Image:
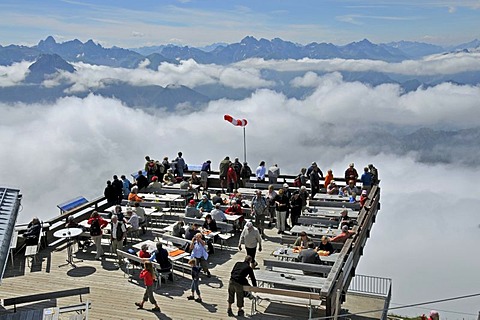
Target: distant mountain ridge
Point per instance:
(248, 47)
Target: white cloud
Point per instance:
(13, 74)
(432, 65)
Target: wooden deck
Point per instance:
(113, 296)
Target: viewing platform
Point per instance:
(112, 295)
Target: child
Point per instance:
(148, 276)
(195, 278)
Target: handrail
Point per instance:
(378, 286)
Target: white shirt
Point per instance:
(114, 229)
(218, 215)
(134, 221)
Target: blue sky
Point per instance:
(202, 22)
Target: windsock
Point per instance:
(235, 122)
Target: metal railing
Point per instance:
(371, 285)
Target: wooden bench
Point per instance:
(225, 229)
(311, 268)
(44, 296)
(311, 300)
(290, 239)
(130, 258)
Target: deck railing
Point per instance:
(371, 285)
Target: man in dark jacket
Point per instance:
(110, 194)
(142, 181)
(118, 186)
(238, 279)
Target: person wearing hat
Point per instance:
(191, 210)
(155, 184)
(205, 205)
(351, 173)
(169, 178)
(250, 236)
(342, 237)
(363, 198)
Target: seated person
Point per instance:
(155, 184)
(363, 198)
(235, 209)
(342, 237)
(71, 223)
(218, 214)
(194, 179)
(309, 255)
(143, 253)
(217, 198)
(325, 245)
(141, 216)
(211, 225)
(169, 178)
(161, 257)
(205, 205)
(332, 188)
(33, 232)
(178, 229)
(134, 219)
(302, 241)
(191, 211)
(352, 188)
(118, 212)
(133, 196)
(344, 219)
(192, 231)
(184, 184)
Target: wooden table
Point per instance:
(332, 197)
(316, 232)
(288, 279)
(288, 254)
(152, 246)
(329, 212)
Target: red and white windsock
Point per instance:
(235, 122)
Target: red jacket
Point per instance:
(147, 278)
(102, 222)
(231, 175)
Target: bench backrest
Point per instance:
(135, 258)
(45, 296)
(284, 292)
(72, 204)
(175, 240)
(309, 267)
(188, 220)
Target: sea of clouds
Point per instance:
(428, 226)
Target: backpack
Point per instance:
(95, 229)
(297, 182)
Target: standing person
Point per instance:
(304, 197)
(314, 181)
(119, 232)
(33, 232)
(223, 168)
(271, 195)
(259, 210)
(288, 193)
(351, 173)
(151, 169)
(180, 165)
(374, 173)
(245, 174)
(261, 171)
(296, 207)
(238, 279)
(141, 180)
(126, 186)
(281, 205)
(206, 169)
(237, 166)
(231, 178)
(195, 281)
(118, 186)
(148, 276)
(273, 173)
(197, 247)
(367, 180)
(300, 179)
(166, 163)
(160, 170)
(251, 237)
(96, 225)
(110, 194)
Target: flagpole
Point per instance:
(244, 146)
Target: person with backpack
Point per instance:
(96, 225)
(245, 174)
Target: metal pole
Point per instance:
(337, 305)
(244, 146)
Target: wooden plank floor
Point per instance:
(113, 296)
